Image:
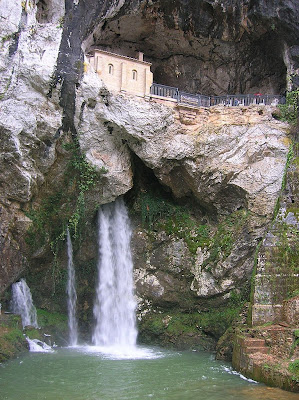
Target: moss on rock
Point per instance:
(12, 340)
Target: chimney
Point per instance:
(140, 56)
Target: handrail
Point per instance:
(164, 91)
(199, 100)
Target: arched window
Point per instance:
(110, 69)
(134, 75)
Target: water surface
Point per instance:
(150, 373)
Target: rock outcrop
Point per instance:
(30, 122)
(224, 161)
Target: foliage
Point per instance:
(170, 325)
(294, 368)
(12, 341)
(158, 213)
(84, 178)
(55, 212)
(46, 319)
(223, 240)
(46, 221)
(65, 208)
(33, 334)
(14, 335)
(290, 157)
(289, 111)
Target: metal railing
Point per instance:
(164, 91)
(199, 100)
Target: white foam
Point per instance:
(122, 353)
(37, 346)
(232, 372)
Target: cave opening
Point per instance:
(198, 61)
(147, 187)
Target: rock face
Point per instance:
(223, 168)
(29, 122)
(223, 161)
(210, 46)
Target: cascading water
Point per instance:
(114, 308)
(71, 295)
(22, 303)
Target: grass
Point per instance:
(46, 319)
(12, 342)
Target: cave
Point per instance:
(208, 52)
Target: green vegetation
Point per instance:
(294, 369)
(223, 241)
(282, 259)
(53, 319)
(14, 335)
(286, 256)
(290, 157)
(174, 326)
(83, 177)
(55, 212)
(33, 333)
(289, 111)
(12, 342)
(62, 209)
(296, 341)
(159, 214)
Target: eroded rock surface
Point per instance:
(224, 160)
(223, 167)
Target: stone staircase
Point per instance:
(254, 345)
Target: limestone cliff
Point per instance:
(226, 165)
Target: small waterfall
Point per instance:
(22, 303)
(37, 346)
(114, 308)
(71, 295)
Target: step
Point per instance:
(253, 350)
(254, 342)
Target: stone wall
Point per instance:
(265, 353)
(277, 276)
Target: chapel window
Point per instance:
(110, 69)
(134, 75)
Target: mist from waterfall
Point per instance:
(114, 308)
(71, 295)
(22, 304)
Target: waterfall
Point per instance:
(37, 346)
(22, 303)
(71, 295)
(114, 308)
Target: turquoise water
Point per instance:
(151, 373)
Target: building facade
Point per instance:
(121, 73)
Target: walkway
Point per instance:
(198, 100)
